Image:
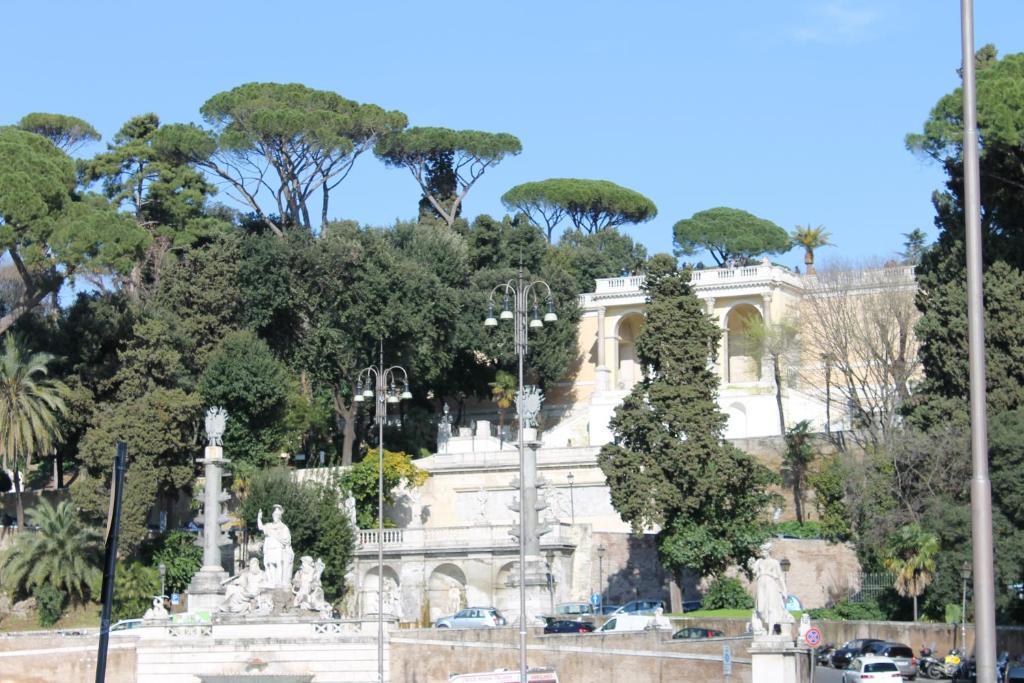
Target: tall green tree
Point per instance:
(283, 144)
(590, 205)
(48, 231)
(31, 405)
(63, 552)
(67, 133)
(911, 557)
(446, 163)
(606, 253)
(163, 194)
(669, 466)
(245, 378)
(797, 459)
(729, 234)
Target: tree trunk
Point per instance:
(19, 509)
(915, 608)
(348, 439)
(798, 496)
(809, 260)
(778, 395)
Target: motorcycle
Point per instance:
(824, 654)
(952, 662)
(929, 666)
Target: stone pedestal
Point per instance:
(774, 660)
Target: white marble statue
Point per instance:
(307, 589)
(350, 511)
(157, 611)
(481, 505)
(216, 419)
(770, 614)
(278, 555)
(245, 592)
(454, 598)
(350, 603)
(392, 598)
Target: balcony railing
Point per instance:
(709, 277)
(421, 538)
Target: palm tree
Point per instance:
(30, 405)
(810, 239)
(911, 556)
(63, 553)
(503, 391)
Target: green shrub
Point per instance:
(179, 554)
(727, 593)
(794, 529)
(850, 611)
(135, 585)
(49, 604)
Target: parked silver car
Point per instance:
(472, 617)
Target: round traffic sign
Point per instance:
(813, 637)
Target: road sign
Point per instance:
(813, 637)
(595, 599)
(175, 599)
(726, 661)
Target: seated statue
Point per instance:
(244, 595)
(157, 611)
(307, 589)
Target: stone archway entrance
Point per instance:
(446, 591)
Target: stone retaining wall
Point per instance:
(430, 655)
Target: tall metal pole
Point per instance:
(981, 488)
(110, 558)
(520, 343)
(381, 411)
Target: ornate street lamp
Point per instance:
(965, 575)
(388, 385)
(518, 299)
(601, 550)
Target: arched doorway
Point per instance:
(628, 370)
(446, 591)
(741, 361)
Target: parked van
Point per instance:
(627, 622)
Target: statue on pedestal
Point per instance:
(278, 555)
(307, 589)
(770, 614)
(350, 603)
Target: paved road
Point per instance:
(826, 675)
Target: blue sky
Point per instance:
(794, 110)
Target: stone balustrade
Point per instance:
(420, 539)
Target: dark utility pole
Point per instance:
(110, 558)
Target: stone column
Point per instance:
(766, 307)
(603, 373)
(537, 596)
(206, 590)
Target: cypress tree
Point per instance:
(670, 467)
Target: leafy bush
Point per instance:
(726, 592)
(315, 516)
(846, 610)
(49, 604)
(361, 482)
(135, 585)
(794, 529)
(180, 554)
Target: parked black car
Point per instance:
(696, 632)
(568, 626)
(842, 655)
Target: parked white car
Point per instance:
(869, 668)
